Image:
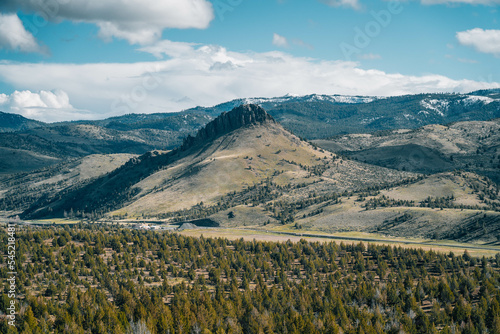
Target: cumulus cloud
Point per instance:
(137, 21)
(342, 3)
(485, 41)
(280, 41)
(47, 106)
(13, 35)
(206, 75)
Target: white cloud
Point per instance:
(343, 3)
(137, 21)
(13, 35)
(203, 75)
(4, 98)
(485, 41)
(280, 41)
(169, 48)
(47, 106)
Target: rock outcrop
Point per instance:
(244, 115)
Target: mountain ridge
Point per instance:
(13, 122)
(114, 187)
(310, 116)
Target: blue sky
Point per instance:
(64, 60)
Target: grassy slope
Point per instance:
(351, 215)
(232, 162)
(472, 146)
(50, 180)
(18, 161)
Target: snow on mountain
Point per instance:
(438, 106)
(313, 98)
(472, 99)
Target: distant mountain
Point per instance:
(320, 119)
(311, 117)
(182, 122)
(319, 116)
(50, 144)
(14, 122)
(21, 190)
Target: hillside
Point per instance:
(18, 192)
(454, 206)
(48, 145)
(19, 161)
(244, 169)
(13, 122)
(472, 146)
(233, 153)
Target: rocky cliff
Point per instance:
(244, 115)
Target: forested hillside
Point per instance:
(88, 279)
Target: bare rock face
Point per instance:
(242, 116)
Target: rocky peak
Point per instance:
(239, 117)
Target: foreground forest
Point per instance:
(109, 279)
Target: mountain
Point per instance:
(311, 116)
(19, 161)
(48, 145)
(234, 152)
(472, 146)
(14, 122)
(320, 119)
(319, 116)
(244, 169)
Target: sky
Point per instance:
(92, 59)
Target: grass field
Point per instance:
(57, 221)
(442, 246)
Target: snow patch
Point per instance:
(438, 106)
(369, 120)
(473, 99)
(312, 98)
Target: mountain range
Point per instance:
(32, 144)
(244, 168)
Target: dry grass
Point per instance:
(439, 185)
(349, 238)
(230, 163)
